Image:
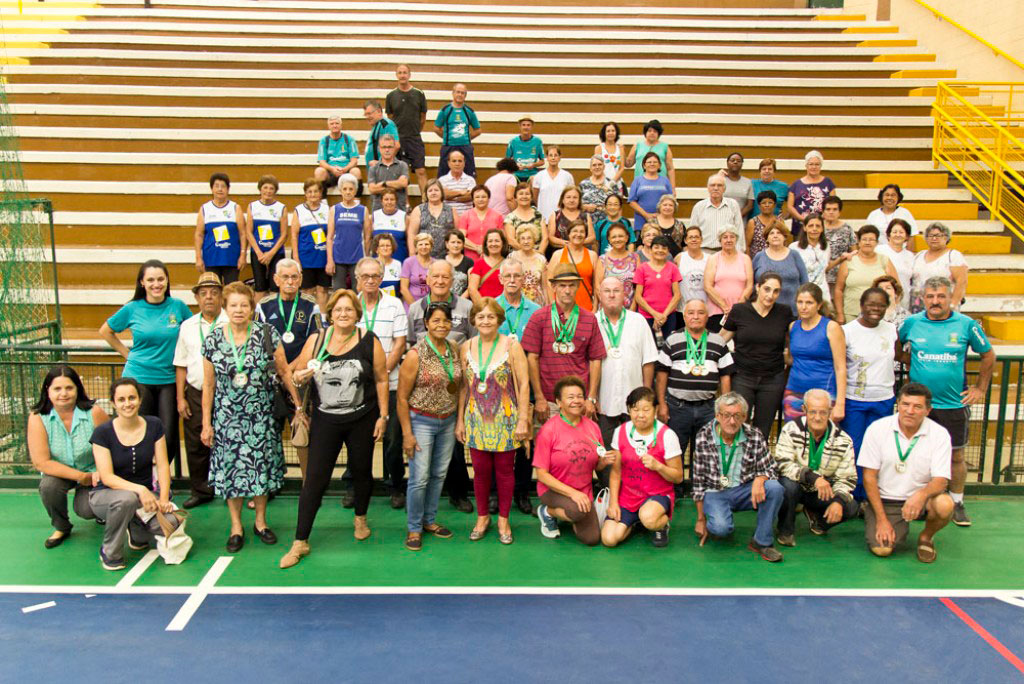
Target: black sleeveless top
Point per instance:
(345, 386)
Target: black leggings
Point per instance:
(325, 441)
(162, 401)
(764, 395)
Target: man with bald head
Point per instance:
(694, 366)
(457, 184)
(457, 125)
(631, 356)
(715, 213)
(816, 468)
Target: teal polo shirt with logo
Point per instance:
(938, 354)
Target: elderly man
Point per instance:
(526, 149)
(407, 107)
(295, 317)
(518, 310)
(734, 471)
(631, 356)
(715, 213)
(937, 340)
(380, 126)
(389, 172)
(384, 316)
(816, 468)
(336, 154)
(906, 462)
(456, 124)
(458, 185)
(562, 339)
(439, 280)
(188, 379)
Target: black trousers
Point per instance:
(607, 424)
(457, 482)
(394, 463)
(325, 441)
(763, 393)
(794, 494)
(162, 401)
(196, 453)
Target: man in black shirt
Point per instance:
(407, 107)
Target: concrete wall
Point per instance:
(1001, 22)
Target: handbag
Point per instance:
(281, 409)
(601, 502)
(174, 545)
(300, 430)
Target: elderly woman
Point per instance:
(535, 266)
(938, 260)
(842, 242)
(581, 259)
(642, 483)
(902, 257)
(383, 249)
(818, 351)
(455, 244)
(347, 225)
(569, 451)
(647, 235)
(485, 278)
(738, 188)
(266, 218)
(647, 189)
(476, 221)
(651, 143)
(570, 210)
(612, 154)
(667, 224)
(433, 217)
(895, 312)
(757, 227)
(428, 396)
(786, 263)
(857, 274)
(246, 458)
(59, 428)
(494, 413)
(523, 213)
(595, 190)
(809, 192)
(728, 279)
(414, 269)
(766, 181)
(890, 198)
(309, 240)
(619, 261)
(220, 238)
(350, 408)
(126, 450)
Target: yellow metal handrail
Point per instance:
(980, 145)
(972, 34)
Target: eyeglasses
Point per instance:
(289, 277)
(370, 276)
(735, 417)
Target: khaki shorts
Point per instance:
(894, 512)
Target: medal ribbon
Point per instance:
(727, 460)
(654, 435)
(697, 352)
(481, 366)
(596, 443)
(565, 333)
(291, 319)
(449, 366)
(324, 351)
(899, 451)
(613, 336)
(814, 457)
(514, 324)
(373, 321)
(202, 335)
(239, 358)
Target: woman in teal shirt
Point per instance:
(154, 318)
(59, 429)
(651, 142)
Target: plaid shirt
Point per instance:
(837, 462)
(707, 461)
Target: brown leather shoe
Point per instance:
(362, 530)
(295, 554)
(768, 553)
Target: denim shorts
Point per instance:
(630, 518)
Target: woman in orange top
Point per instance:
(582, 259)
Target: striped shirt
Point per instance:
(685, 386)
(538, 338)
(837, 462)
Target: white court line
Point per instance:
(136, 572)
(38, 606)
(197, 597)
(1012, 600)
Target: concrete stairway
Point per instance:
(123, 112)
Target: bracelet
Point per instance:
(384, 417)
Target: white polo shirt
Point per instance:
(188, 352)
(622, 375)
(390, 322)
(930, 457)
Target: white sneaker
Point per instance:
(548, 525)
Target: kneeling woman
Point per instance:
(643, 480)
(568, 452)
(125, 450)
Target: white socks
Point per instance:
(957, 498)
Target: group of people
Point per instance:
(528, 319)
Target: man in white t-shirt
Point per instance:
(549, 183)
(906, 462)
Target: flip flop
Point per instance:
(925, 551)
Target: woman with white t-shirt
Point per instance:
(692, 263)
(813, 249)
(902, 257)
(889, 199)
(937, 260)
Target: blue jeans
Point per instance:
(860, 414)
(719, 505)
(427, 468)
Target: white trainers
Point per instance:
(548, 525)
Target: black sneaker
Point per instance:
(814, 522)
(108, 564)
(960, 516)
(348, 499)
(134, 545)
(461, 505)
(524, 505)
(398, 500)
(659, 538)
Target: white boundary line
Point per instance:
(1012, 600)
(196, 598)
(38, 606)
(140, 567)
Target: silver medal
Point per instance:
(687, 367)
(513, 337)
(556, 347)
(288, 337)
(901, 466)
(481, 387)
(700, 370)
(313, 365)
(615, 352)
(601, 451)
(240, 380)
(570, 348)
(724, 482)
(641, 450)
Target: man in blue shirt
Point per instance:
(937, 340)
(518, 310)
(380, 126)
(337, 154)
(526, 149)
(457, 125)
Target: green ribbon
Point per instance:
(727, 459)
(449, 366)
(899, 451)
(565, 333)
(697, 351)
(291, 319)
(481, 367)
(239, 358)
(814, 457)
(614, 336)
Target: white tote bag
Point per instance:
(173, 545)
(601, 505)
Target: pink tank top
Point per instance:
(730, 281)
(638, 482)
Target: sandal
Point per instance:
(926, 551)
(506, 538)
(413, 541)
(438, 531)
(477, 535)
